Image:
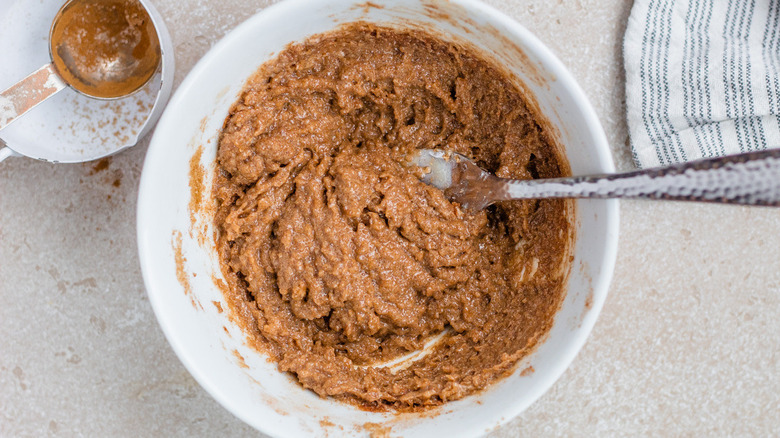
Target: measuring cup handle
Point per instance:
(29, 92)
(7, 152)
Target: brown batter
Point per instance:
(338, 258)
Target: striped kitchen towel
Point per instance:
(702, 78)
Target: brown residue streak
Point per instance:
(327, 427)
(201, 205)
(89, 282)
(527, 371)
(218, 306)
(101, 165)
(109, 176)
(240, 359)
(220, 284)
(197, 180)
(181, 273)
(367, 6)
(432, 10)
(586, 308)
(220, 95)
(590, 296)
(376, 430)
(510, 50)
(462, 21)
(63, 286)
(589, 300)
(237, 313)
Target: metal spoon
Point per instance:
(750, 179)
(104, 49)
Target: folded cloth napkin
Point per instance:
(702, 78)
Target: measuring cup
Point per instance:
(71, 127)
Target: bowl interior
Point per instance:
(179, 261)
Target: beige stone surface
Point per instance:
(687, 344)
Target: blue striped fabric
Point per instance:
(702, 78)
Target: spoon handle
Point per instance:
(29, 92)
(751, 178)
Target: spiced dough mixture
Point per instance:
(338, 258)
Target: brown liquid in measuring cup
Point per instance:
(105, 48)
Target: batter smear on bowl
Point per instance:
(338, 259)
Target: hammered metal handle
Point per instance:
(752, 178)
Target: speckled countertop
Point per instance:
(688, 342)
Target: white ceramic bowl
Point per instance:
(208, 343)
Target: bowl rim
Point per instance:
(601, 151)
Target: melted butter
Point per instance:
(105, 48)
